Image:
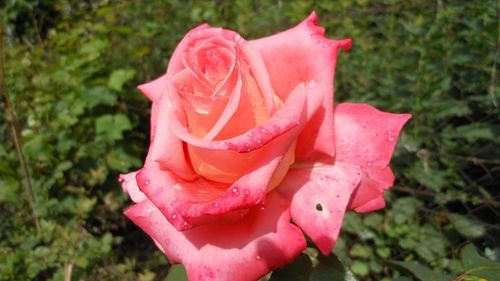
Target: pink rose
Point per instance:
(244, 140)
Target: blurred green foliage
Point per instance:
(71, 68)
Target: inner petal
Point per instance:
(202, 109)
(211, 61)
(215, 64)
(251, 110)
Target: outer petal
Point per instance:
(165, 147)
(247, 250)
(302, 54)
(154, 89)
(370, 194)
(129, 185)
(319, 196)
(367, 137)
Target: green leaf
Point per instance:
(9, 189)
(476, 265)
(361, 251)
(331, 268)
(112, 126)
(177, 272)
(467, 227)
(419, 271)
(98, 95)
(121, 161)
(360, 268)
(299, 270)
(476, 132)
(119, 77)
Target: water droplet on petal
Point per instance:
(174, 216)
(390, 136)
(235, 191)
(258, 257)
(216, 205)
(369, 164)
(146, 182)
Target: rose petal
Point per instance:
(154, 89)
(300, 54)
(129, 185)
(367, 137)
(191, 203)
(222, 160)
(261, 75)
(165, 147)
(319, 196)
(251, 111)
(175, 198)
(265, 240)
(370, 194)
(286, 118)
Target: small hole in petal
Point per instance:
(319, 207)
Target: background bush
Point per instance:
(71, 68)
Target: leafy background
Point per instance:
(71, 67)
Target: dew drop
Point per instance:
(146, 182)
(150, 210)
(258, 257)
(216, 205)
(369, 164)
(390, 136)
(235, 191)
(174, 216)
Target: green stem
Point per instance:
(15, 135)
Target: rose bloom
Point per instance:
(248, 153)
